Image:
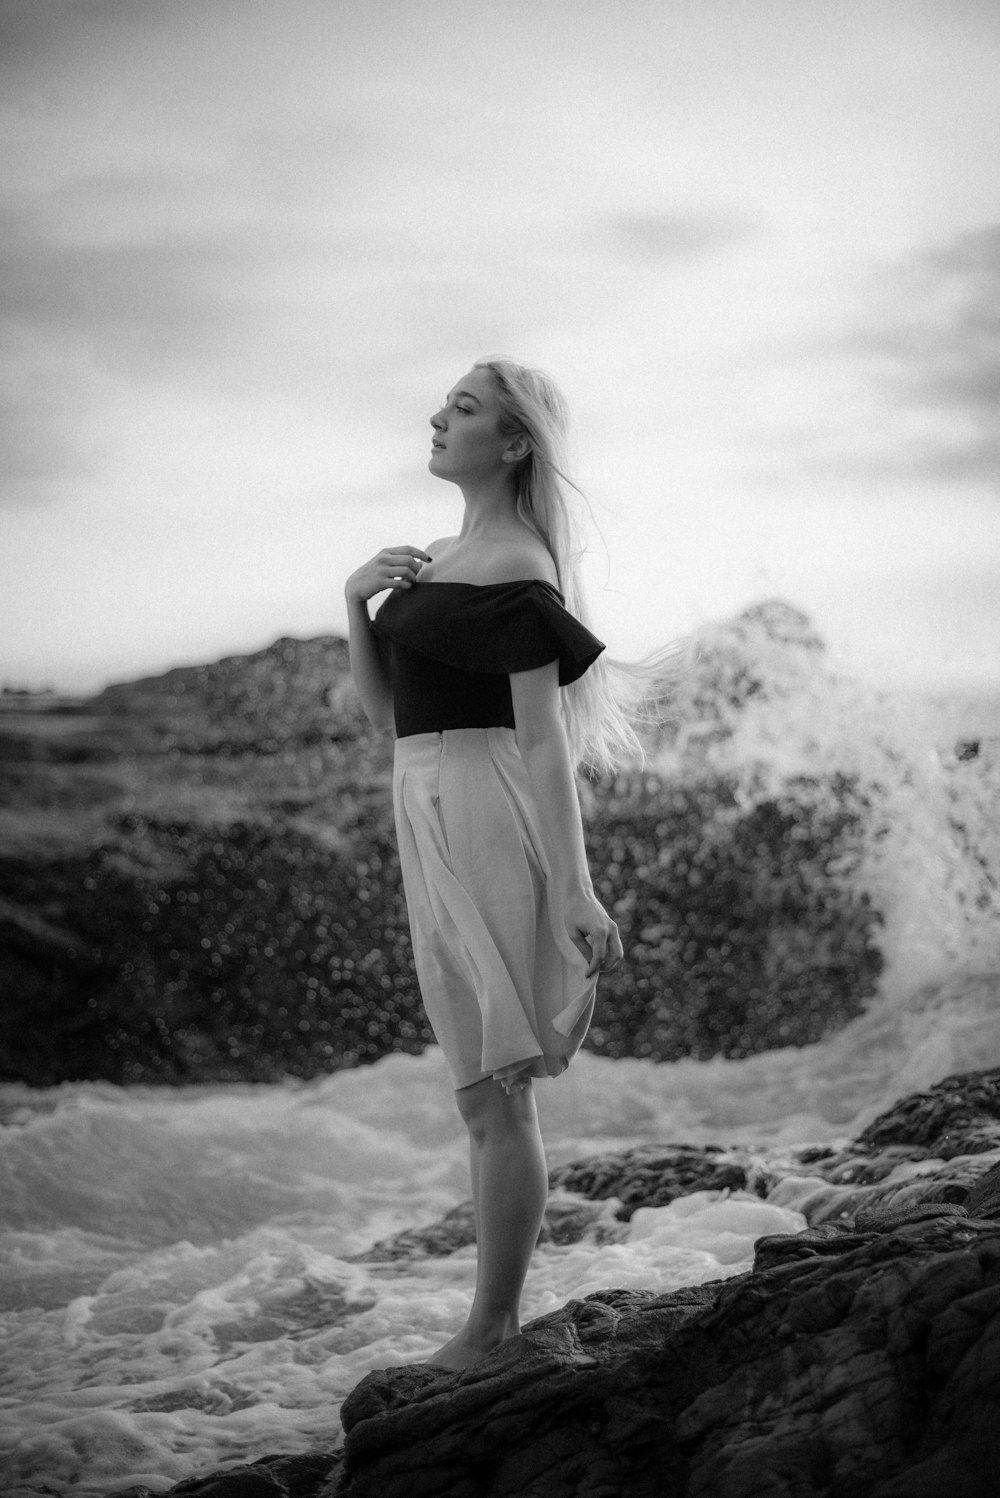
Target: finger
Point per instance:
(401, 571)
(582, 946)
(405, 554)
(605, 953)
(598, 947)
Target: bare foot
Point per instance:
(467, 1347)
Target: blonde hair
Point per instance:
(602, 707)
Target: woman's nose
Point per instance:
(437, 420)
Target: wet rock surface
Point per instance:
(937, 1146)
(271, 1477)
(857, 1359)
(958, 1116)
(849, 1364)
(654, 1175)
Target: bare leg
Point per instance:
(509, 1188)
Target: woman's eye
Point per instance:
(465, 410)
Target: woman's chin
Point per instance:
(434, 467)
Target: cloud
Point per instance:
(678, 236)
(946, 347)
(934, 346)
(117, 294)
(44, 399)
(108, 287)
(907, 389)
(26, 26)
(78, 316)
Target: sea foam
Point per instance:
(178, 1276)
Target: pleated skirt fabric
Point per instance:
(504, 987)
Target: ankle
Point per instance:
(492, 1326)
(470, 1346)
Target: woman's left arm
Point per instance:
(541, 739)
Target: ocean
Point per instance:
(180, 1288)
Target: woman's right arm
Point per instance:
(395, 567)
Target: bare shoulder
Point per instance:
(510, 560)
(518, 560)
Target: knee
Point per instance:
(479, 1130)
(477, 1118)
(490, 1113)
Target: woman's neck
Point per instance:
(490, 511)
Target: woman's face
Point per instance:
(466, 443)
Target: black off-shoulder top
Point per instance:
(452, 646)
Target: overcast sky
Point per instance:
(248, 244)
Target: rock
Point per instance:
(959, 1116)
(984, 1198)
(865, 1367)
(931, 1147)
(456, 1229)
(271, 1477)
(904, 1188)
(567, 1220)
(653, 1175)
(149, 840)
(857, 1359)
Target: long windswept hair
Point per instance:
(602, 707)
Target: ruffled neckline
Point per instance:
(519, 582)
(497, 628)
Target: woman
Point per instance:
(467, 659)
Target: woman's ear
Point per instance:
(517, 448)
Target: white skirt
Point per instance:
(504, 987)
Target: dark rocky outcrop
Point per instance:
(653, 1175)
(850, 1364)
(202, 885)
(934, 1146)
(984, 1198)
(959, 1116)
(271, 1477)
(857, 1359)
